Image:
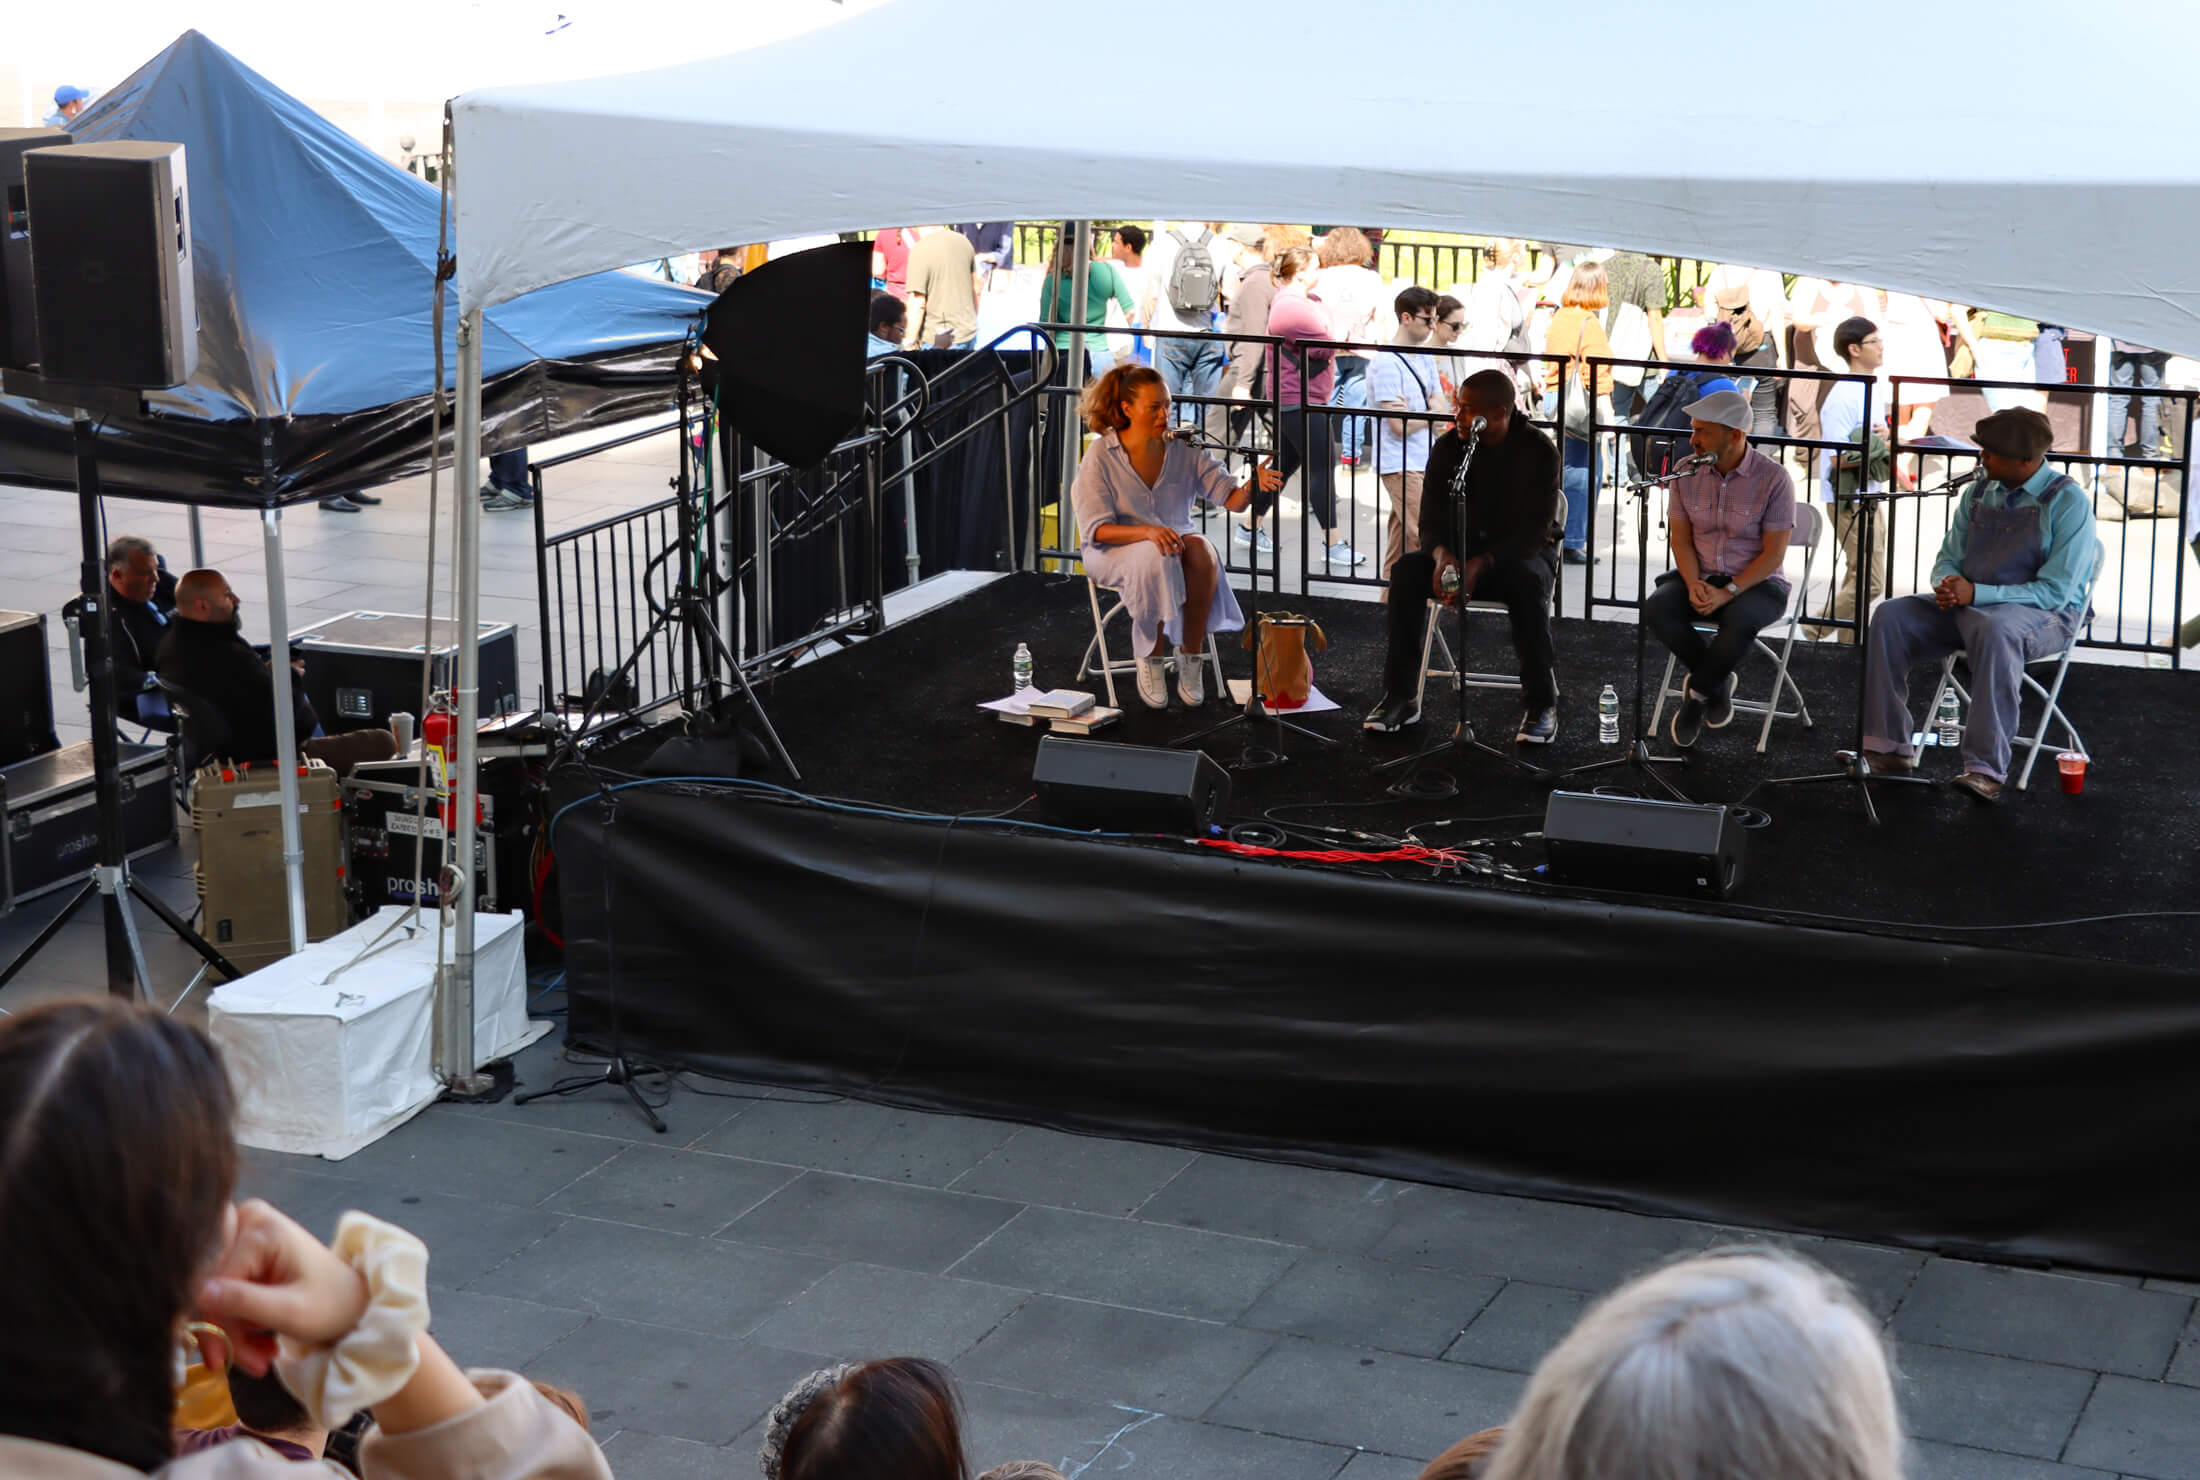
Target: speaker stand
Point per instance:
(109, 877)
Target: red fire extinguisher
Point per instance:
(439, 737)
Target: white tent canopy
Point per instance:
(1985, 155)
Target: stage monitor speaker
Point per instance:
(1128, 788)
(785, 341)
(18, 317)
(111, 264)
(1656, 847)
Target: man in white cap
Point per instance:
(1731, 518)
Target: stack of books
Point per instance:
(1066, 711)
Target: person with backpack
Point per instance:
(1186, 260)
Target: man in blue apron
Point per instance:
(2010, 585)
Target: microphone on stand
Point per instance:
(1680, 469)
(1957, 485)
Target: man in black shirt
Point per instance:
(1500, 535)
(141, 599)
(205, 654)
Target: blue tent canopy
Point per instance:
(315, 269)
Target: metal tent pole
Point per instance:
(286, 725)
(1073, 422)
(455, 1031)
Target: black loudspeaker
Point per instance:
(18, 317)
(1631, 843)
(1128, 788)
(26, 691)
(785, 344)
(111, 264)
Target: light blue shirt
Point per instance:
(875, 346)
(1109, 490)
(2072, 551)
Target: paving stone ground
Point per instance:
(1126, 1309)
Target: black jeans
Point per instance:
(1710, 659)
(1308, 443)
(1524, 586)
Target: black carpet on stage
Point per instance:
(895, 720)
(1945, 1080)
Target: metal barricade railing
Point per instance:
(600, 585)
(2139, 590)
(2139, 598)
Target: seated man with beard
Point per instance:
(205, 653)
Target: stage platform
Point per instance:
(1878, 1037)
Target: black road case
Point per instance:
(362, 667)
(49, 817)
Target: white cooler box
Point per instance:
(329, 1060)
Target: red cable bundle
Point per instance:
(1409, 853)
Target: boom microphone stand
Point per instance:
(1854, 768)
(1256, 706)
(1462, 736)
(1638, 752)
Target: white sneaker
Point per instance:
(1342, 553)
(1191, 681)
(1153, 681)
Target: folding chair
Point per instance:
(1808, 520)
(2050, 695)
(1432, 637)
(1097, 661)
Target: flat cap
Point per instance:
(2018, 432)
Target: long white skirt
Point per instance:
(1152, 587)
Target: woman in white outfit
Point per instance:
(1133, 502)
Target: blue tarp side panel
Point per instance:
(315, 274)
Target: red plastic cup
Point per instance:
(2072, 766)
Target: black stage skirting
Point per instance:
(1906, 1081)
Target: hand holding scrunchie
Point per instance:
(348, 1315)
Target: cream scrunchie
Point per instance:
(379, 1355)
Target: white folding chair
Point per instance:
(1432, 638)
(2050, 695)
(1097, 661)
(1808, 519)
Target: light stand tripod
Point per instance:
(1638, 752)
(110, 877)
(689, 605)
(1462, 736)
(1256, 707)
(618, 1069)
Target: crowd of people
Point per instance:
(180, 1333)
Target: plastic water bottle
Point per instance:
(1021, 664)
(1608, 716)
(1949, 722)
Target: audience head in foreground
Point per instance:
(116, 1161)
(899, 1416)
(118, 1155)
(1734, 1365)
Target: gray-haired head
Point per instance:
(123, 546)
(1732, 1365)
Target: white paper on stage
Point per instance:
(1317, 702)
(331, 1049)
